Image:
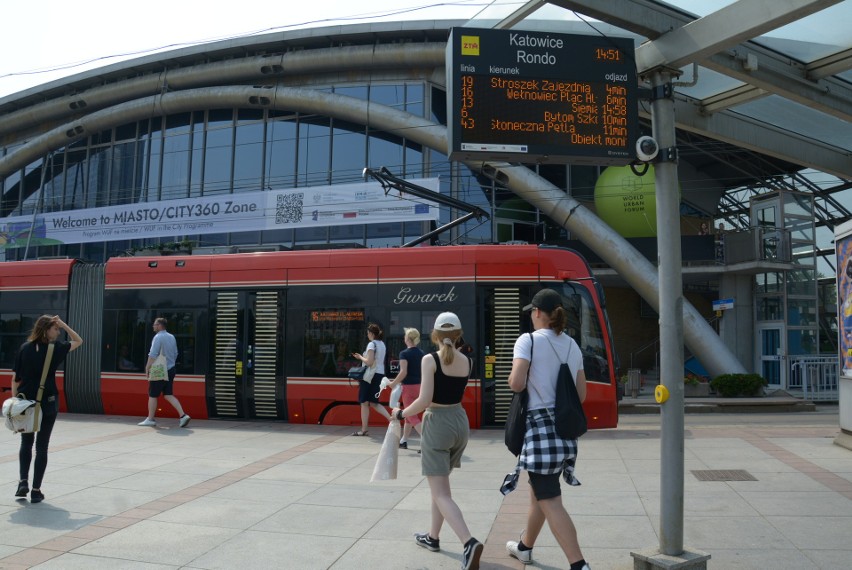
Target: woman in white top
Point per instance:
(374, 355)
(545, 456)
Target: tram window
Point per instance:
(14, 329)
(585, 328)
(183, 325)
(128, 334)
(331, 336)
(125, 334)
(10, 323)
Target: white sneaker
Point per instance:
(184, 420)
(147, 423)
(525, 556)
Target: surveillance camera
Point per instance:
(647, 149)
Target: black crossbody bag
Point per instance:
(516, 419)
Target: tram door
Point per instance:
(245, 356)
(502, 328)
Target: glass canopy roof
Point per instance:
(784, 92)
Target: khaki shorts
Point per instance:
(445, 435)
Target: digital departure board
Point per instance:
(542, 97)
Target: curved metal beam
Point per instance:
(721, 29)
(374, 60)
(259, 70)
(611, 247)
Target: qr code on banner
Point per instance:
(288, 210)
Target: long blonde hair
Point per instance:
(446, 342)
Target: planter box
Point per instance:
(701, 390)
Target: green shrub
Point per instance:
(728, 385)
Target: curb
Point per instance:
(727, 406)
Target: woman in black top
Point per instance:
(26, 378)
(443, 379)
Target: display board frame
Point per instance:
(541, 97)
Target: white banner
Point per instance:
(342, 204)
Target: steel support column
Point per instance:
(671, 324)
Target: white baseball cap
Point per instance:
(447, 322)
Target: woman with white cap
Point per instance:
(443, 378)
(545, 456)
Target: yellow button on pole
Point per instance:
(661, 394)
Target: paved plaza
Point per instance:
(227, 495)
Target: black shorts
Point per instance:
(545, 486)
(367, 392)
(164, 387)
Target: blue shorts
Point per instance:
(164, 387)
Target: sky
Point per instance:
(44, 40)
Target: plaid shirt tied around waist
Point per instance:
(544, 452)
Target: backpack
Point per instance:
(570, 417)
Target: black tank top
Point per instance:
(448, 389)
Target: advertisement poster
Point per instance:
(844, 301)
(341, 204)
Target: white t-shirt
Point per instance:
(544, 367)
(380, 350)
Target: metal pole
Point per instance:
(671, 320)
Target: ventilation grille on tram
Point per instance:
(224, 385)
(265, 353)
(506, 330)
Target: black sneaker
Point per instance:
(36, 496)
(472, 553)
(427, 542)
(403, 445)
(23, 489)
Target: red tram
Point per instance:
(267, 336)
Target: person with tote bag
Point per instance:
(160, 370)
(545, 455)
(26, 379)
(444, 375)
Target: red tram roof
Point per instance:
(39, 275)
(348, 266)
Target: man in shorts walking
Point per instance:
(165, 341)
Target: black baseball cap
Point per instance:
(547, 300)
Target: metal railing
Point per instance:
(815, 376)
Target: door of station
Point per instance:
(772, 362)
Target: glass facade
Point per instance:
(229, 151)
